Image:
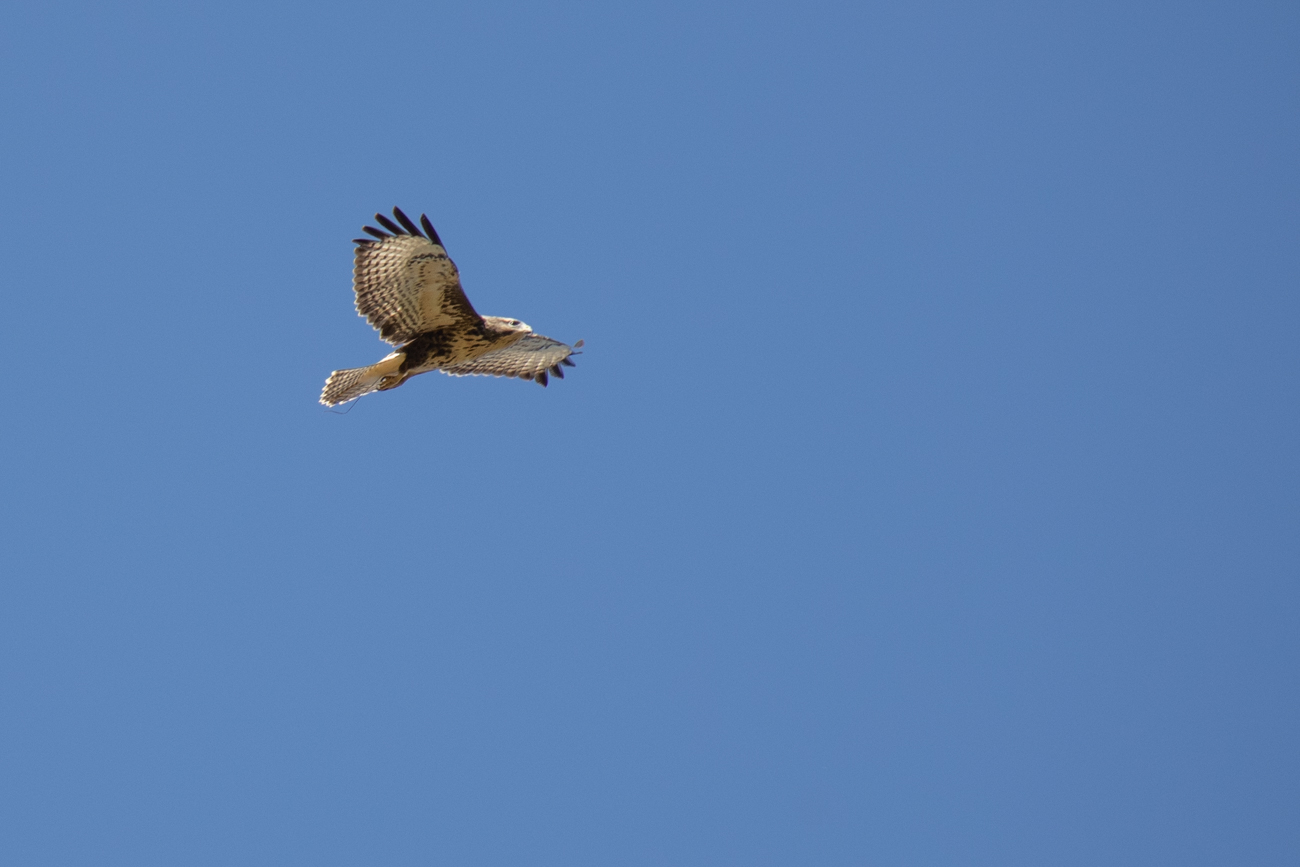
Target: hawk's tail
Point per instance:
(346, 385)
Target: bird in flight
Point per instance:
(409, 290)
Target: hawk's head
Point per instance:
(501, 327)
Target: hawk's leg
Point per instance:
(390, 368)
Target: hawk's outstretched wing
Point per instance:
(529, 357)
(405, 282)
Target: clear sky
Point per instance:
(928, 491)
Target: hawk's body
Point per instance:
(409, 289)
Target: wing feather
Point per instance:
(407, 285)
(388, 224)
(405, 221)
(529, 357)
(429, 230)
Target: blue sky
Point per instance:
(927, 492)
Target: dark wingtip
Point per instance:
(540, 379)
(429, 231)
(556, 370)
(371, 230)
(389, 224)
(365, 241)
(406, 222)
(567, 363)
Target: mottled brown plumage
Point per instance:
(409, 290)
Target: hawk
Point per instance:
(409, 290)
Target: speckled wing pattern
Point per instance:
(406, 284)
(529, 357)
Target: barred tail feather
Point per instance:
(346, 385)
